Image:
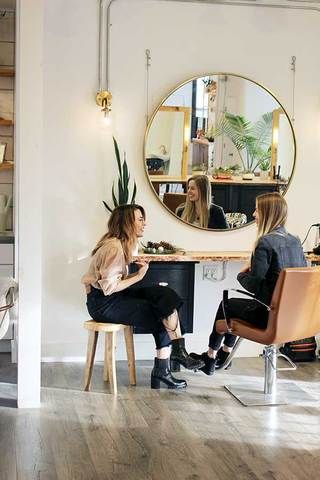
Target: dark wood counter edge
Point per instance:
(206, 256)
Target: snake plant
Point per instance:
(121, 196)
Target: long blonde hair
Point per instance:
(121, 225)
(272, 212)
(189, 213)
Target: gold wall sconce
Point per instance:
(104, 100)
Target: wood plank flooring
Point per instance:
(143, 434)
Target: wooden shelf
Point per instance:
(6, 72)
(5, 122)
(6, 165)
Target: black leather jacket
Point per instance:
(275, 251)
(217, 218)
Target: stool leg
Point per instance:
(128, 335)
(105, 365)
(111, 361)
(91, 351)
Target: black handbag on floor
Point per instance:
(300, 350)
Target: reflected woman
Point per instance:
(198, 208)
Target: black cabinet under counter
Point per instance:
(241, 197)
(180, 277)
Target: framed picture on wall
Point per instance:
(3, 147)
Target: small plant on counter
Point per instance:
(160, 248)
(225, 172)
(123, 182)
(265, 164)
(222, 173)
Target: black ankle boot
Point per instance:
(210, 364)
(221, 358)
(161, 373)
(180, 355)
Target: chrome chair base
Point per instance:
(252, 394)
(270, 392)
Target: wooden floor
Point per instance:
(143, 434)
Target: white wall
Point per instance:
(28, 193)
(257, 102)
(79, 163)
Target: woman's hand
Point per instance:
(143, 268)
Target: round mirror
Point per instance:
(213, 145)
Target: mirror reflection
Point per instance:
(213, 145)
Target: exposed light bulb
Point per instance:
(106, 119)
(104, 100)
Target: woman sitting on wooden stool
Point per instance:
(154, 309)
(274, 250)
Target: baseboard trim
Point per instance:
(144, 349)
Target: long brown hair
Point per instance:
(121, 225)
(272, 212)
(189, 213)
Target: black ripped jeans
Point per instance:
(247, 310)
(143, 307)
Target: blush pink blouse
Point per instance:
(107, 268)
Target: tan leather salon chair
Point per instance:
(294, 314)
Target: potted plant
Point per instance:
(265, 166)
(252, 140)
(122, 196)
(225, 173)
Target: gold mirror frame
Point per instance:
(280, 111)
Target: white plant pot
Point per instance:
(248, 176)
(264, 174)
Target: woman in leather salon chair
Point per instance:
(198, 208)
(154, 309)
(274, 250)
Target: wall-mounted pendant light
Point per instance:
(104, 100)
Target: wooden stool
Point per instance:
(109, 370)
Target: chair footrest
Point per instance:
(293, 365)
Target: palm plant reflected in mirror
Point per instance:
(228, 128)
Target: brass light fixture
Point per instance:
(104, 100)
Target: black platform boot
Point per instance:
(220, 359)
(179, 355)
(209, 364)
(161, 373)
